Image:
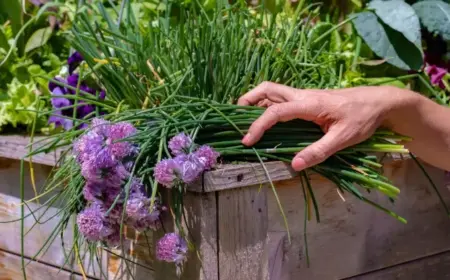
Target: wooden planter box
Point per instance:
(239, 234)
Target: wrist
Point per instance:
(400, 106)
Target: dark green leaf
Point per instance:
(435, 16)
(14, 11)
(3, 40)
(38, 39)
(387, 43)
(399, 16)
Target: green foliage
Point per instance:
(435, 16)
(19, 104)
(387, 42)
(39, 38)
(25, 69)
(401, 17)
(13, 11)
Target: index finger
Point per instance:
(309, 110)
(273, 92)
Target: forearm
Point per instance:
(427, 123)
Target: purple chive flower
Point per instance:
(190, 167)
(120, 131)
(99, 156)
(113, 176)
(101, 192)
(166, 172)
(113, 239)
(207, 155)
(92, 223)
(436, 74)
(171, 248)
(140, 216)
(180, 144)
(74, 60)
(93, 191)
(87, 146)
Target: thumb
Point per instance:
(319, 151)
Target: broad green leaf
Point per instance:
(387, 43)
(399, 16)
(435, 16)
(14, 12)
(38, 39)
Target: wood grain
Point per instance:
(230, 176)
(10, 269)
(135, 247)
(15, 147)
(242, 217)
(355, 238)
(200, 229)
(275, 246)
(201, 223)
(434, 267)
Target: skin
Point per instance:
(350, 116)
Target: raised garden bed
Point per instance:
(235, 224)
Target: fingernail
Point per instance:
(246, 138)
(299, 164)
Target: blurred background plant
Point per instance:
(375, 42)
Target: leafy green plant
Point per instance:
(30, 51)
(186, 76)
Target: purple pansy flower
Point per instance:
(59, 101)
(74, 60)
(59, 121)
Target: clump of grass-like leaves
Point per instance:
(186, 75)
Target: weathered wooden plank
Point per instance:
(136, 246)
(242, 175)
(275, 246)
(354, 237)
(230, 176)
(242, 218)
(10, 269)
(15, 147)
(201, 223)
(200, 228)
(434, 267)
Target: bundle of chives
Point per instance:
(222, 126)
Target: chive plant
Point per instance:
(185, 74)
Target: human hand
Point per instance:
(346, 116)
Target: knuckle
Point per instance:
(274, 111)
(266, 85)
